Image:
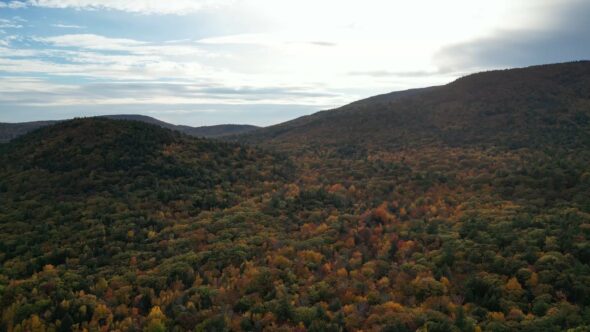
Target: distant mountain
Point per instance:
(216, 131)
(205, 131)
(9, 131)
(532, 106)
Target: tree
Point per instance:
(284, 311)
(66, 323)
(156, 320)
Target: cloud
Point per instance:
(322, 43)
(111, 72)
(38, 92)
(98, 57)
(176, 7)
(91, 41)
(185, 103)
(243, 39)
(263, 39)
(68, 26)
(386, 73)
(14, 23)
(120, 71)
(258, 92)
(13, 4)
(183, 74)
(566, 39)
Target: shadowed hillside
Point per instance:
(511, 108)
(101, 151)
(9, 131)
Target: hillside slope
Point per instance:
(511, 108)
(102, 151)
(83, 200)
(10, 131)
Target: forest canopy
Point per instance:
(124, 226)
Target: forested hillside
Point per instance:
(91, 200)
(527, 107)
(10, 131)
(118, 225)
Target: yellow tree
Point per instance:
(156, 320)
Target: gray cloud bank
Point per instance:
(568, 39)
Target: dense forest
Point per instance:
(124, 226)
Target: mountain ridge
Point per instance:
(9, 131)
(511, 107)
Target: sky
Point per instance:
(261, 62)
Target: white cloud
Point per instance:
(182, 72)
(13, 4)
(95, 56)
(68, 26)
(177, 7)
(14, 23)
(32, 91)
(91, 41)
(243, 39)
(134, 72)
(94, 42)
